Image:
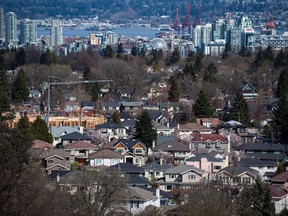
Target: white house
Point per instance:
(279, 198)
(105, 157)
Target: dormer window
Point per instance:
(208, 144)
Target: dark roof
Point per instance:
(162, 139)
(87, 103)
(163, 194)
(110, 125)
(125, 115)
(237, 170)
(157, 166)
(75, 136)
(262, 146)
(111, 104)
(281, 177)
(277, 191)
(105, 153)
(172, 146)
(61, 173)
(135, 180)
(256, 162)
(128, 123)
(80, 145)
(266, 156)
(154, 114)
(208, 156)
(129, 143)
(127, 168)
(182, 168)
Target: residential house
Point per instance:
(57, 132)
(169, 107)
(156, 169)
(105, 157)
(110, 131)
(35, 94)
(239, 129)
(208, 122)
(164, 130)
(210, 142)
(249, 91)
(166, 198)
(207, 162)
(87, 105)
(74, 137)
(79, 151)
(182, 177)
(279, 197)
(39, 144)
(237, 175)
(175, 152)
(265, 168)
(138, 199)
(263, 151)
(110, 106)
(192, 128)
(53, 160)
(280, 179)
(133, 151)
(132, 107)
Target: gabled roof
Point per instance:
(163, 194)
(155, 114)
(172, 146)
(105, 153)
(157, 166)
(281, 177)
(125, 115)
(209, 157)
(238, 170)
(211, 137)
(59, 131)
(109, 125)
(75, 136)
(131, 103)
(111, 104)
(140, 194)
(162, 139)
(257, 162)
(127, 168)
(43, 154)
(60, 173)
(277, 192)
(135, 179)
(193, 127)
(80, 145)
(183, 168)
(39, 144)
(248, 88)
(261, 146)
(129, 143)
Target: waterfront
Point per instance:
(129, 32)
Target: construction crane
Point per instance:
(187, 20)
(176, 23)
(197, 20)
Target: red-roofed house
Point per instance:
(279, 197)
(105, 157)
(280, 179)
(79, 151)
(210, 142)
(39, 144)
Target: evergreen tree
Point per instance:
(40, 130)
(259, 58)
(144, 129)
(174, 58)
(96, 90)
(134, 51)
(239, 110)
(4, 102)
(20, 57)
(268, 54)
(116, 117)
(87, 73)
(120, 49)
(202, 107)
(189, 71)
(142, 52)
(46, 57)
(256, 200)
(280, 120)
(226, 51)
(23, 129)
(190, 56)
(157, 54)
(20, 91)
(282, 87)
(174, 92)
(280, 59)
(108, 52)
(198, 63)
(210, 73)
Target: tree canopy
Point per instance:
(144, 129)
(40, 130)
(202, 107)
(174, 92)
(239, 110)
(20, 91)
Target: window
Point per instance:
(138, 161)
(104, 130)
(193, 176)
(134, 204)
(172, 176)
(168, 187)
(217, 167)
(246, 180)
(277, 152)
(218, 144)
(157, 173)
(50, 161)
(208, 144)
(138, 151)
(98, 161)
(115, 161)
(120, 131)
(120, 150)
(242, 130)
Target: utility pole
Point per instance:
(63, 82)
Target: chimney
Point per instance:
(229, 143)
(158, 196)
(153, 144)
(168, 125)
(178, 126)
(57, 178)
(161, 161)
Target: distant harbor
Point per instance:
(81, 32)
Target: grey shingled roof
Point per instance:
(182, 168)
(172, 146)
(157, 166)
(127, 168)
(208, 156)
(237, 170)
(75, 136)
(58, 131)
(263, 147)
(109, 125)
(105, 153)
(257, 162)
(140, 194)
